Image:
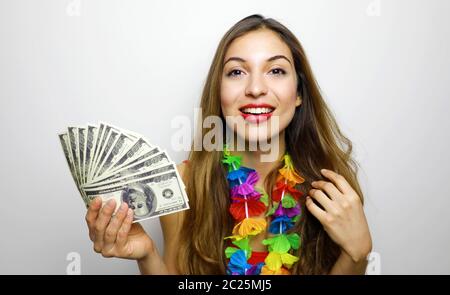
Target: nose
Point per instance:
(256, 86)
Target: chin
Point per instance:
(259, 137)
(252, 134)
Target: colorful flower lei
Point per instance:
(247, 204)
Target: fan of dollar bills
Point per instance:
(115, 163)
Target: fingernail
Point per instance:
(122, 207)
(323, 170)
(130, 212)
(110, 203)
(313, 183)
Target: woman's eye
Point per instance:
(234, 73)
(278, 71)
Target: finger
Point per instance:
(315, 210)
(328, 188)
(340, 182)
(114, 226)
(91, 215)
(122, 235)
(102, 221)
(323, 199)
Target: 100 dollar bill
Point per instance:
(149, 197)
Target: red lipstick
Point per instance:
(256, 118)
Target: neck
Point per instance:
(261, 160)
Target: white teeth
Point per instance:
(257, 111)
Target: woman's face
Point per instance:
(259, 86)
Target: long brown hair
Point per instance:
(313, 140)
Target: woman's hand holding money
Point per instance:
(117, 236)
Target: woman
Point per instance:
(259, 72)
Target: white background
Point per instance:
(383, 67)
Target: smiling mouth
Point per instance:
(256, 113)
(257, 109)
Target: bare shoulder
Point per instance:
(182, 167)
(171, 225)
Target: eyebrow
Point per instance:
(275, 57)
